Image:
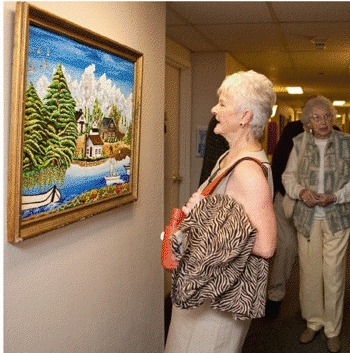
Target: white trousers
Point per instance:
(322, 260)
(285, 255)
(205, 330)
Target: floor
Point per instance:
(281, 335)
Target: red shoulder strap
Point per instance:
(212, 185)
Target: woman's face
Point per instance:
(226, 114)
(321, 122)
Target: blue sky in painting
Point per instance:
(47, 49)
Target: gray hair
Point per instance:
(316, 102)
(253, 91)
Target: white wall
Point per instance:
(96, 285)
(208, 72)
(232, 65)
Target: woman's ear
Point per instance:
(247, 116)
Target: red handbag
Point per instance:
(168, 259)
(177, 216)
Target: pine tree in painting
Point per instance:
(128, 135)
(34, 142)
(97, 113)
(114, 114)
(59, 108)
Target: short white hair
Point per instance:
(253, 91)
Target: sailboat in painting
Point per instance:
(113, 177)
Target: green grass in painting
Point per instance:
(43, 177)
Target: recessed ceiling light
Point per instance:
(279, 89)
(274, 109)
(294, 90)
(338, 103)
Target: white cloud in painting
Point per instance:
(88, 89)
(41, 86)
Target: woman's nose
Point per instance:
(213, 110)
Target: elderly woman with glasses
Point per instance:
(318, 177)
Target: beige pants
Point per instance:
(322, 260)
(286, 253)
(205, 330)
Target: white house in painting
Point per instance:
(94, 129)
(94, 143)
(81, 121)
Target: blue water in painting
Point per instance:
(78, 180)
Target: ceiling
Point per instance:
(273, 38)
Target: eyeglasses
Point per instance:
(317, 118)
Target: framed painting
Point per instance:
(201, 137)
(75, 124)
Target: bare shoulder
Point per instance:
(247, 180)
(248, 171)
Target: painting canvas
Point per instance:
(79, 124)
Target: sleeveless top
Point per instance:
(260, 155)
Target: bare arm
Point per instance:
(249, 187)
(193, 200)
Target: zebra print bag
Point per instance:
(213, 247)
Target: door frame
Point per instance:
(180, 58)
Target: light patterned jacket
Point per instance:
(304, 174)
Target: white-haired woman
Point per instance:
(318, 177)
(244, 107)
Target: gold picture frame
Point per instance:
(75, 124)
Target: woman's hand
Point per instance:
(309, 197)
(194, 199)
(326, 199)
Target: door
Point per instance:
(172, 179)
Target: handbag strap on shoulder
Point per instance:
(212, 185)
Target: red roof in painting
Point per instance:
(96, 139)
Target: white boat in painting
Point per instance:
(126, 164)
(34, 201)
(113, 177)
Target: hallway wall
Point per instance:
(96, 285)
(209, 69)
(208, 72)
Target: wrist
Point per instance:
(301, 193)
